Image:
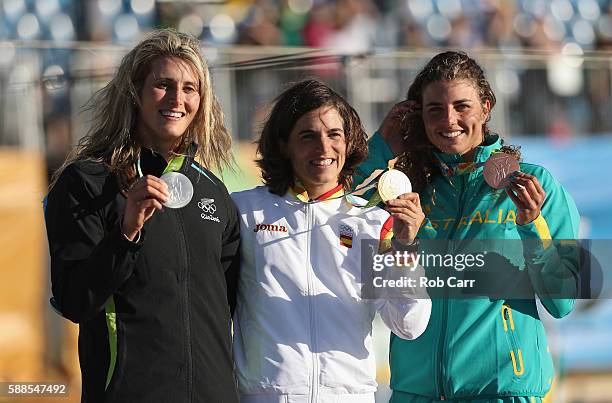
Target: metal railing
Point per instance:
(43, 88)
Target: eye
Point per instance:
(189, 89)
(462, 107)
(305, 136)
(161, 85)
(336, 134)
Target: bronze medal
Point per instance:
(498, 169)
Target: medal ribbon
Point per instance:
(460, 168)
(299, 192)
(174, 165)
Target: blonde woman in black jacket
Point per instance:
(144, 238)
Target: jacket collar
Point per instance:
(153, 163)
(483, 152)
(299, 192)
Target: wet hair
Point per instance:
(289, 107)
(419, 162)
(112, 140)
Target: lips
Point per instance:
(322, 162)
(172, 114)
(451, 134)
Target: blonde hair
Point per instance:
(111, 139)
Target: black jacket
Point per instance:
(170, 294)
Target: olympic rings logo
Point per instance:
(208, 208)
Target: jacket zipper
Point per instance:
(441, 371)
(186, 316)
(516, 355)
(441, 346)
(314, 389)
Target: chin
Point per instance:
(173, 136)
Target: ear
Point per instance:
(486, 108)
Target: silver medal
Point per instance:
(180, 189)
(392, 184)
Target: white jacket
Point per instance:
(301, 331)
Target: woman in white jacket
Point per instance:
(302, 332)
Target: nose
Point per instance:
(450, 116)
(323, 142)
(175, 97)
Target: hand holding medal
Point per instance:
(527, 194)
(498, 170)
(180, 189)
(501, 171)
(395, 189)
(148, 194)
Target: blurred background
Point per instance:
(549, 62)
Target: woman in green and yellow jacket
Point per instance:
(480, 347)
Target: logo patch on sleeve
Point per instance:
(346, 236)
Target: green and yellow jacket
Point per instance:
(484, 346)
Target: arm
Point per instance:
(407, 315)
(88, 261)
(230, 253)
(553, 266)
(379, 155)
(388, 142)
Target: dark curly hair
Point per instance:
(419, 162)
(289, 107)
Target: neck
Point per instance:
(316, 191)
(469, 156)
(165, 149)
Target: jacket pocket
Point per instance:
(515, 354)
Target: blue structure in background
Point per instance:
(582, 165)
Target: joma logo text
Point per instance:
(270, 227)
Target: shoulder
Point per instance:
(87, 169)
(212, 178)
(89, 174)
(546, 179)
(534, 169)
(556, 194)
(207, 180)
(246, 199)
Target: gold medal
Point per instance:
(392, 184)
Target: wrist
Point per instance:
(133, 236)
(527, 220)
(405, 245)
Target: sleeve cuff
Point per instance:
(134, 245)
(538, 229)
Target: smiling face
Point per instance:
(170, 99)
(316, 148)
(454, 116)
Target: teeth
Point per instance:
(324, 162)
(171, 114)
(451, 134)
